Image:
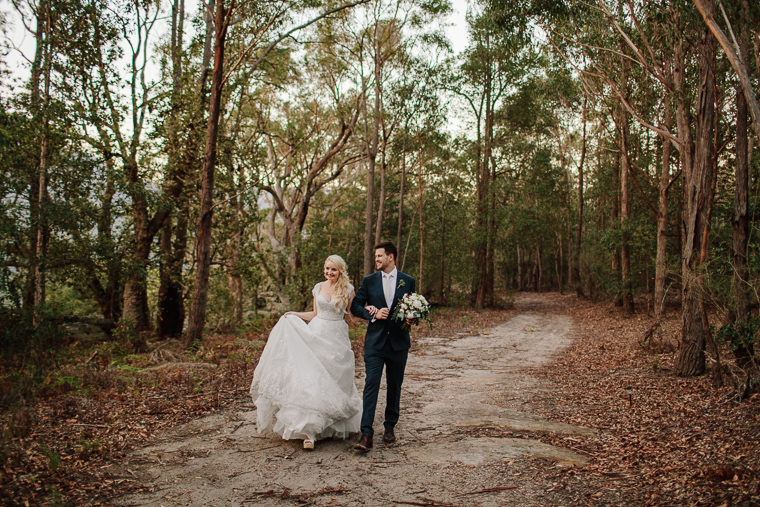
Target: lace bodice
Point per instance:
(325, 309)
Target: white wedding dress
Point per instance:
(303, 386)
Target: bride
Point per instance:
(303, 386)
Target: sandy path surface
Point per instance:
(457, 391)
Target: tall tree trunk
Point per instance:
(203, 236)
(39, 105)
(234, 280)
(625, 215)
(135, 286)
(442, 259)
(662, 217)
(380, 206)
(707, 9)
(208, 49)
(170, 315)
(519, 267)
(368, 215)
(615, 218)
(372, 150)
(490, 243)
(697, 185)
(235, 250)
(579, 224)
(145, 228)
(108, 297)
(740, 287)
(481, 220)
(420, 190)
(401, 199)
(479, 249)
(173, 305)
(43, 227)
(381, 197)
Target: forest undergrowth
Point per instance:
(660, 439)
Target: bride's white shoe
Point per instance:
(308, 444)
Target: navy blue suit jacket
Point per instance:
(371, 293)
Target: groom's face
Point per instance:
(383, 260)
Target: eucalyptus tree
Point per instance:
(307, 147)
(51, 215)
(533, 188)
(184, 73)
(675, 55)
(500, 56)
(383, 35)
(60, 36)
(696, 153)
(743, 30)
(257, 24)
(44, 15)
(113, 114)
(443, 197)
(418, 113)
(553, 106)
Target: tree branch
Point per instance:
(287, 34)
(736, 63)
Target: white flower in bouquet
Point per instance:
(412, 306)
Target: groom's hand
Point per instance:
(382, 313)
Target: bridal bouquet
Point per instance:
(412, 306)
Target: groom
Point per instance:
(386, 343)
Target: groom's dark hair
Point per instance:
(389, 248)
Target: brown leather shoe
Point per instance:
(389, 437)
(364, 444)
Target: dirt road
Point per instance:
(465, 436)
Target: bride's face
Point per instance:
(331, 272)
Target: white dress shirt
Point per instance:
(389, 286)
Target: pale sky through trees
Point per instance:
(23, 41)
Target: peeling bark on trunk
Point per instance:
(740, 288)
(697, 185)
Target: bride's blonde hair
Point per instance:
(342, 289)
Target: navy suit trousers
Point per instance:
(394, 362)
